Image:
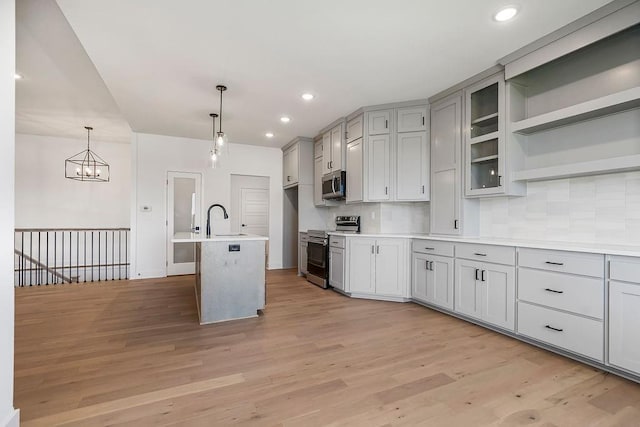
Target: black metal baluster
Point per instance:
(77, 256)
(126, 254)
(92, 256)
(98, 255)
(62, 261)
(38, 269)
(48, 258)
(113, 257)
(119, 255)
(30, 258)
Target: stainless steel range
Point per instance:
(318, 249)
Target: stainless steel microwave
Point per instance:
(334, 185)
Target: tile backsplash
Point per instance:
(593, 209)
(385, 217)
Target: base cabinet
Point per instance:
(624, 324)
(486, 292)
(377, 267)
(336, 268)
(303, 258)
(432, 280)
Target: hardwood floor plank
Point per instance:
(132, 353)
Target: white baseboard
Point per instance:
(12, 420)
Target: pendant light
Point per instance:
(221, 138)
(86, 165)
(214, 153)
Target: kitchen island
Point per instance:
(230, 275)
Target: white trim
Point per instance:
(12, 419)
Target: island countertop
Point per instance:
(224, 237)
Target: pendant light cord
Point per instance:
(221, 109)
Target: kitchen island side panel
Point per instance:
(232, 282)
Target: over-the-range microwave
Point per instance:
(334, 185)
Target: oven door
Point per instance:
(317, 259)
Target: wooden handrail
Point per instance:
(28, 230)
(43, 266)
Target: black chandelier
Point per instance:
(86, 165)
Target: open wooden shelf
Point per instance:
(609, 104)
(594, 167)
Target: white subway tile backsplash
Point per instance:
(593, 209)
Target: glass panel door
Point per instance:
(183, 216)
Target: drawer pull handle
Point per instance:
(554, 263)
(554, 329)
(479, 254)
(554, 291)
(430, 249)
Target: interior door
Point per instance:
(254, 211)
(184, 195)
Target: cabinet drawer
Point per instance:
(337, 242)
(574, 333)
(566, 262)
(434, 247)
(626, 269)
(487, 253)
(578, 294)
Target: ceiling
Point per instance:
(61, 91)
(161, 59)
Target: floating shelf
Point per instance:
(594, 167)
(487, 118)
(609, 104)
(485, 159)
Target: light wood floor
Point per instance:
(132, 353)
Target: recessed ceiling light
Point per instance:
(268, 135)
(506, 13)
(285, 119)
(17, 76)
(307, 96)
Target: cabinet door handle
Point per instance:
(455, 224)
(479, 254)
(426, 265)
(423, 189)
(386, 190)
(373, 249)
(554, 291)
(477, 271)
(431, 265)
(386, 124)
(554, 329)
(554, 263)
(499, 180)
(482, 276)
(377, 249)
(422, 120)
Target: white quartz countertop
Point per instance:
(201, 237)
(609, 249)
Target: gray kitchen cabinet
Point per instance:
(486, 291)
(354, 164)
(412, 119)
(379, 165)
(432, 279)
(379, 122)
(412, 166)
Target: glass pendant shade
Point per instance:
(87, 165)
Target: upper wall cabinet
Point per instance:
(297, 162)
(379, 122)
(355, 128)
(486, 161)
(396, 149)
(412, 119)
(333, 149)
(578, 114)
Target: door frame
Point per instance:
(175, 269)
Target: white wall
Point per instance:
(8, 416)
(47, 199)
(154, 155)
(396, 217)
(598, 209)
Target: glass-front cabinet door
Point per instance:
(484, 137)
